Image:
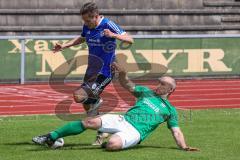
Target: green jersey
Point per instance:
(149, 111)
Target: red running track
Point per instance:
(46, 99)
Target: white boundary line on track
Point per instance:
(119, 98)
(190, 89)
(183, 95)
(211, 106)
(43, 112)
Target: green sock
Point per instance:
(69, 129)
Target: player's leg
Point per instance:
(102, 82)
(90, 103)
(93, 106)
(94, 90)
(72, 128)
(106, 123)
(114, 143)
(80, 96)
(97, 88)
(127, 138)
(88, 94)
(124, 134)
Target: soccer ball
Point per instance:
(58, 143)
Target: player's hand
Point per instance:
(58, 47)
(108, 33)
(191, 149)
(118, 68)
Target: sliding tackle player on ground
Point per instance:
(150, 110)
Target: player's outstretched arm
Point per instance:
(123, 78)
(122, 37)
(179, 138)
(73, 42)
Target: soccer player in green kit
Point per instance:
(150, 110)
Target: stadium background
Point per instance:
(170, 32)
(197, 40)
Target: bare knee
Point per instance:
(80, 96)
(114, 143)
(92, 123)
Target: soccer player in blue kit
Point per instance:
(100, 34)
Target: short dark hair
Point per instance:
(89, 8)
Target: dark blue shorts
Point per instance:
(93, 86)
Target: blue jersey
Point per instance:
(101, 48)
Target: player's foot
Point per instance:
(93, 111)
(100, 139)
(42, 140)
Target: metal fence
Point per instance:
(184, 55)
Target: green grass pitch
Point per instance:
(215, 132)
